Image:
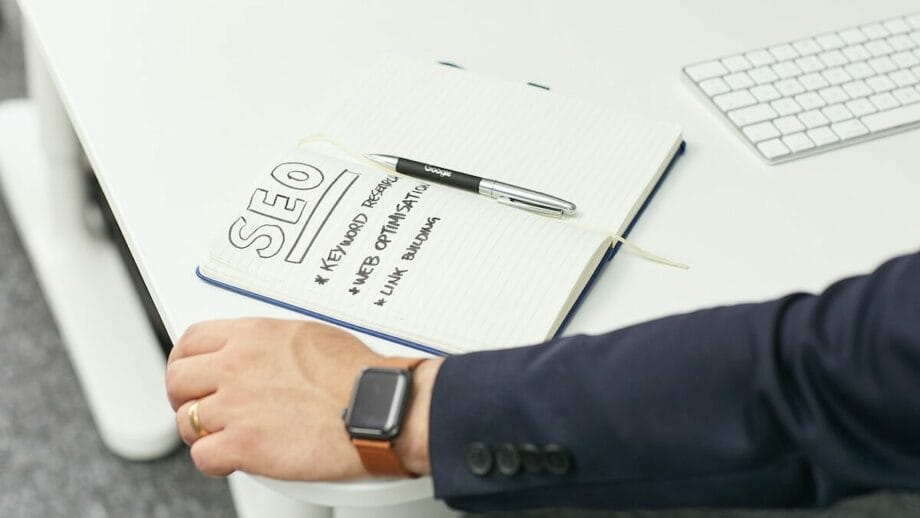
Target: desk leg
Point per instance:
(101, 320)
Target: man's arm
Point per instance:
(795, 402)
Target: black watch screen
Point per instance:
(377, 403)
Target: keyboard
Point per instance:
(818, 93)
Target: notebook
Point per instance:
(328, 234)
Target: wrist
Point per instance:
(412, 444)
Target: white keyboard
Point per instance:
(814, 94)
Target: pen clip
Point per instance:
(532, 207)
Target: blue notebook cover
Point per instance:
(427, 348)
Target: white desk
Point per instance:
(178, 103)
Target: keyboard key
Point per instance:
(706, 70)
(810, 100)
(860, 107)
(765, 93)
(914, 20)
(822, 136)
(833, 58)
(836, 113)
(856, 53)
(752, 114)
(878, 47)
(896, 26)
(830, 41)
(761, 132)
(857, 88)
(916, 37)
(783, 52)
(853, 36)
(810, 64)
(760, 57)
(788, 125)
(884, 101)
(807, 47)
(812, 119)
(882, 65)
(813, 81)
(874, 31)
(773, 148)
(903, 78)
(763, 75)
(738, 80)
(905, 59)
(836, 76)
(786, 69)
(786, 106)
(789, 87)
(901, 42)
(906, 95)
(737, 63)
(849, 129)
(893, 118)
(859, 70)
(834, 94)
(880, 84)
(733, 100)
(798, 142)
(714, 86)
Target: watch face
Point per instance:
(377, 403)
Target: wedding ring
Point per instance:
(195, 422)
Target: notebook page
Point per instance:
(604, 162)
(423, 262)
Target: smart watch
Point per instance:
(375, 414)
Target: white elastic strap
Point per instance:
(359, 157)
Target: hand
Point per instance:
(271, 394)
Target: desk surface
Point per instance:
(178, 104)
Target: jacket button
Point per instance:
(531, 458)
(556, 459)
(507, 460)
(479, 458)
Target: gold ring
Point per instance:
(195, 422)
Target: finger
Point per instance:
(213, 455)
(191, 378)
(210, 419)
(200, 338)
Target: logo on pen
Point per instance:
(443, 173)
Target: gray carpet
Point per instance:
(52, 463)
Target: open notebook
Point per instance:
(328, 234)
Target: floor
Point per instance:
(52, 463)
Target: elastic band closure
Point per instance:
(359, 157)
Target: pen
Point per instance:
(499, 191)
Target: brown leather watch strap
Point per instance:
(398, 362)
(378, 457)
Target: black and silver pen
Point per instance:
(500, 191)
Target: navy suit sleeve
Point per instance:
(795, 402)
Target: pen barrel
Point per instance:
(436, 174)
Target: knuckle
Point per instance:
(172, 379)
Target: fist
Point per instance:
(270, 395)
